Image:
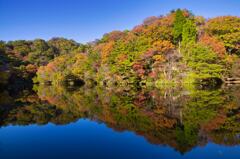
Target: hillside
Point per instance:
(176, 49)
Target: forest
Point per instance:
(179, 48)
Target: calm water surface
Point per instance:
(96, 123)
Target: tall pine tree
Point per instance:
(179, 22)
(189, 32)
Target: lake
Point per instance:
(58, 122)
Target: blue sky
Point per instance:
(86, 20)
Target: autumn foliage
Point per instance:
(176, 48)
(213, 43)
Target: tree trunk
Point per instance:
(179, 47)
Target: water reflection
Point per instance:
(180, 118)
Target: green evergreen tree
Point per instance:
(189, 33)
(179, 22)
(205, 64)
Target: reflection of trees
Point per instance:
(176, 117)
(27, 109)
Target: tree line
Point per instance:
(178, 48)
